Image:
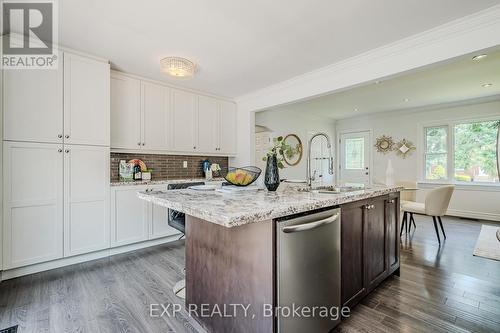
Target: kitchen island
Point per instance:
(231, 248)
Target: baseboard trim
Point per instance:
(473, 215)
(45, 266)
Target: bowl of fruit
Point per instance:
(242, 176)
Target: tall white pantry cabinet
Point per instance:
(56, 143)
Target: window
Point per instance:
(436, 153)
(476, 152)
(472, 156)
(354, 154)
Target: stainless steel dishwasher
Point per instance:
(308, 271)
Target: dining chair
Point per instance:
(436, 204)
(408, 194)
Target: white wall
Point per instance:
(283, 122)
(470, 202)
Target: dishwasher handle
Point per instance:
(311, 225)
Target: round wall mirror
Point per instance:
(384, 144)
(292, 153)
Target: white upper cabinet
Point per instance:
(86, 199)
(227, 128)
(207, 115)
(32, 203)
(33, 105)
(183, 121)
(125, 112)
(86, 101)
(155, 116)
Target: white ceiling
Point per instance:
(242, 46)
(458, 80)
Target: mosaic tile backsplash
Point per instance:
(166, 167)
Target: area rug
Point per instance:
(488, 245)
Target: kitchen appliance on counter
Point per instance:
(308, 269)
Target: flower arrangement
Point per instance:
(280, 149)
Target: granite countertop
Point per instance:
(164, 181)
(235, 209)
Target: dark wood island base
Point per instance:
(226, 266)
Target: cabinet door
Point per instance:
(392, 224)
(32, 204)
(353, 263)
(375, 243)
(184, 121)
(227, 129)
(157, 217)
(129, 223)
(86, 101)
(125, 112)
(86, 199)
(33, 105)
(207, 125)
(155, 102)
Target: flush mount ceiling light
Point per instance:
(479, 57)
(177, 67)
(406, 100)
(486, 85)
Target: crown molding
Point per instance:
(468, 34)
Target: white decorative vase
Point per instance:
(389, 174)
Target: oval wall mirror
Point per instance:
(292, 153)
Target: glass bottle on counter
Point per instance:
(137, 172)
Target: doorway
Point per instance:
(355, 157)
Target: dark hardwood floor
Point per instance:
(441, 289)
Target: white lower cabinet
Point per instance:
(128, 217)
(134, 220)
(157, 218)
(32, 203)
(56, 201)
(86, 199)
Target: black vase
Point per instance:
(272, 177)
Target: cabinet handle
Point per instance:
(66, 136)
(144, 143)
(391, 201)
(138, 143)
(66, 151)
(59, 136)
(367, 207)
(59, 150)
(194, 147)
(372, 206)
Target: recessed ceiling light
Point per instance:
(486, 85)
(356, 109)
(378, 82)
(406, 100)
(479, 57)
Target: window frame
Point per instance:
(450, 130)
(447, 153)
